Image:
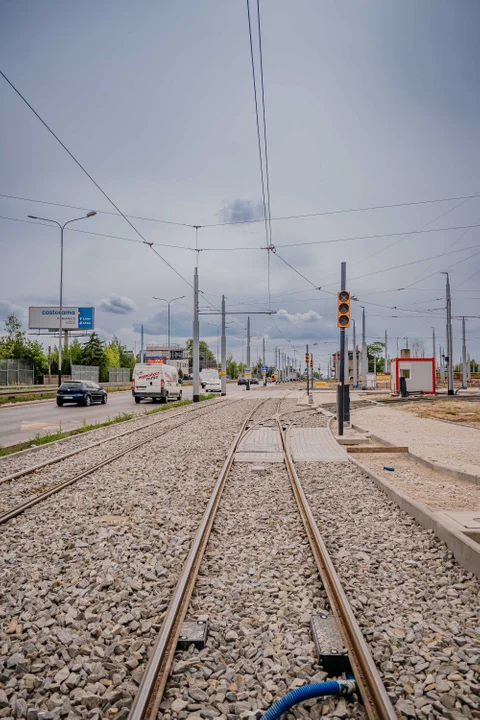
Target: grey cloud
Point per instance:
(7, 308)
(117, 305)
(241, 211)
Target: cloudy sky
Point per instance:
(368, 103)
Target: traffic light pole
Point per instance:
(307, 359)
(341, 393)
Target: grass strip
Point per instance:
(39, 439)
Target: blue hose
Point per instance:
(342, 687)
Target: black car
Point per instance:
(82, 392)
(242, 381)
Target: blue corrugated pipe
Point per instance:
(334, 687)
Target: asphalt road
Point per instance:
(22, 422)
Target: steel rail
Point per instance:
(10, 514)
(373, 692)
(59, 458)
(149, 696)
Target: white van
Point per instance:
(207, 375)
(158, 382)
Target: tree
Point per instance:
(376, 350)
(93, 350)
(206, 355)
(232, 367)
(15, 345)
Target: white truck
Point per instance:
(156, 381)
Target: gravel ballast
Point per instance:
(259, 586)
(87, 574)
(16, 462)
(23, 488)
(418, 610)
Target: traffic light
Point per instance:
(343, 309)
(307, 359)
(311, 361)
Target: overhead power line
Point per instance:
(77, 162)
(97, 234)
(246, 222)
(262, 153)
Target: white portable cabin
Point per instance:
(419, 373)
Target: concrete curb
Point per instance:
(465, 550)
(444, 469)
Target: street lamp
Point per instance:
(168, 313)
(62, 227)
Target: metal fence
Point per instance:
(120, 375)
(16, 372)
(85, 372)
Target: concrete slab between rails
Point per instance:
(464, 548)
(260, 445)
(444, 469)
(315, 445)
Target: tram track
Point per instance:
(154, 680)
(49, 490)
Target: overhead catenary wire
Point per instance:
(252, 221)
(83, 169)
(263, 155)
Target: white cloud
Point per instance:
(307, 317)
(117, 305)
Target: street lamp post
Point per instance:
(62, 228)
(169, 302)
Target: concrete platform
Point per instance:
(315, 445)
(262, 444)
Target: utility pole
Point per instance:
(386, 354)
(264, 363)
(442, 367)
(196, 341)
(248, 353)
(275, 365)
(449, 336)
(464, 356)
(397, 347)
(364, 353)
(434, 352)
(307, 360)
(223, 345)
(141, 344)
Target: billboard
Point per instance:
(155, 360)
(73, 318)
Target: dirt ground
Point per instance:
(456, 411)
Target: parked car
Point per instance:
(242, 381)
(213, 385)
(156, 381)
(254, 381)
(82, 392)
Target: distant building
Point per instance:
(174, 355)
(336, 363)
